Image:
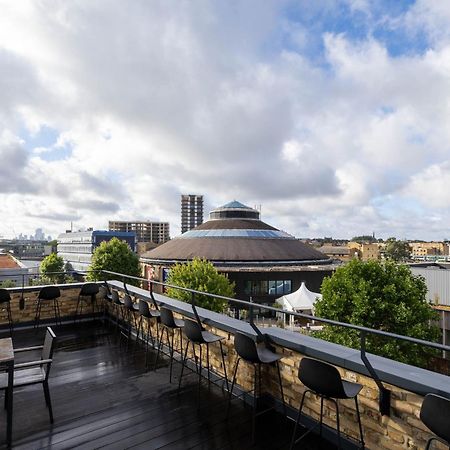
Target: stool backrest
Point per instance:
(115, 297)
(246, 348)
(102, 293)
(4, 296)
(193, 330)
(144, 310)
(435, 414)
(167, 317)
(321, 377)
(127, 302)
(89, 289)
(49, 293)
(47, 351)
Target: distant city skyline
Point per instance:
(333, 115)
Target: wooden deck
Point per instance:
(104, 397)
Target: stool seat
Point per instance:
(267, 356)
(351, 389)
(209, 338)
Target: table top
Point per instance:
(6, 350)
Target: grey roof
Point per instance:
(235, 204)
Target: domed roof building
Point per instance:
(263, 261)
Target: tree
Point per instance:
(381, 295)
(52, 263)
(200, 275)
(397, 250)
(365, 239)
(116, 256)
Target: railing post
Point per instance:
(22, 299)
(194, 309)
(384, 398)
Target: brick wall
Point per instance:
(402, 430)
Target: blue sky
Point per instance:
(332, 114)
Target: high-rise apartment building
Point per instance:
(191, 211)
(157, 232)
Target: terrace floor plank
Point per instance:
(104, 397)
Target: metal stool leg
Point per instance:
(281, 389)
(10, 321)
(359, 423)
(183, 364)
(171, 353)
(224, 366)
(294, 441)
(338, 424)
(232, 385)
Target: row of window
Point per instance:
(268, 287)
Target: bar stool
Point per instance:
(168, 322)
(324, 380)
(117, 308)
(129, 310)
(5, 301)
(435, 414)
(87, 290)
(48, 294)
(249, 351)
(196, 334)
(148, 314)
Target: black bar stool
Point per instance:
(168, 322)
(89, 290)
(129, 315)
(325, 381)
(148, 314)
(249, 351)
(196, 334)
(435, 414)
(48, 294)
(5, 302)
(116, 306)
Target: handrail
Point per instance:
(384, 394)
(296, 314)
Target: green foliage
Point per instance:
(397, 250)
(381, 295)
(200, 275)
(7, 284)
(52, 263)
(115, 256)
(364, 239)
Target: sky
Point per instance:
(333, 115)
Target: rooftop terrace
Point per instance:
(104, 396)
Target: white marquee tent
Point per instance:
(302, 300)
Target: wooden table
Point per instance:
(7, 361)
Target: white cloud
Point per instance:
(154, 101)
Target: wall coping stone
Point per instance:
(411, 378)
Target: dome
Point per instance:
(235, 235)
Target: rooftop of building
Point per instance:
(235, 234)
(8, 262)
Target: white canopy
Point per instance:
(300, 300)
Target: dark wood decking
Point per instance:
(104, 397)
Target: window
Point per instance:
(268, 287)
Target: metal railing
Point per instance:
(384, 393)
(384, 397)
